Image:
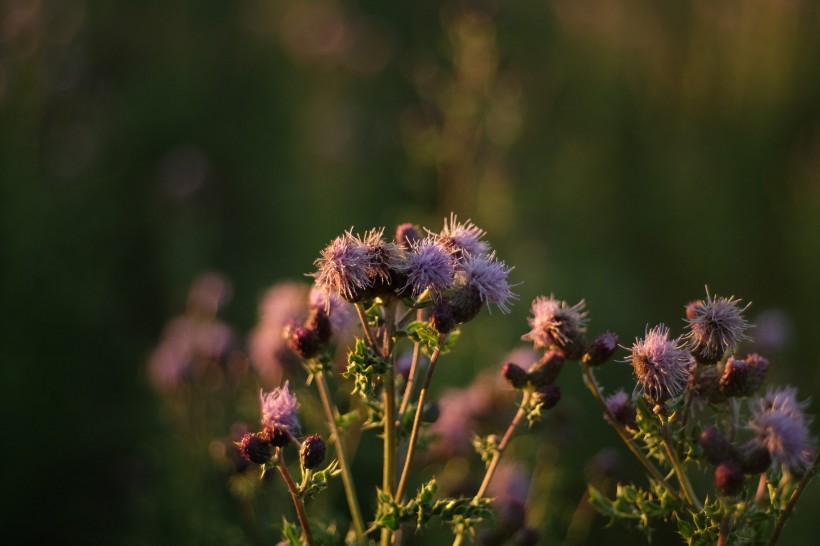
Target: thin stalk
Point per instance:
(589, 380)
(686, 485)
(363, 318)
(297, 501)
(761, 496)
(414, 433)
(411, 377)
(389, 397)
(341, 454)
(781, 521)
(725, 529)
(422, 298)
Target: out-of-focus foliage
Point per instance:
(627, 153)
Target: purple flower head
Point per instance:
(716, 326)
(781, 427)
(621, 408)
(661, 365)
(554, 322)
(279, 409)
(463, 238)
(489, 276)
(344, 266)
(385, 258)
(429, 266)
(338, 310)
(281, 304)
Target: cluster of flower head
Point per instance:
(455, 267)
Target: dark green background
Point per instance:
(624, 152)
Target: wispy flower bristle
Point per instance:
(662, 366)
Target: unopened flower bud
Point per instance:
(319, 322)
(255, 448)
(466, 303)
(716, 447)
(729, 478)
(431, 412)
(313, 451)
(303, 341)
(707, 386)
(441, 317)
(756, 459)
(277, 436)
(545, 371)
(549, 395)
(734, 380)
(601, 350)
(622, 409)
(757, 367)
(407, 235)
(515, 375)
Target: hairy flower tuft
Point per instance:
(463, 238)
(344, 266)
(385, 257)
(781, 426)
(716, 326)
(429, 266)
(278, 409)
(554, 322)
(488, 276)
(661, 365)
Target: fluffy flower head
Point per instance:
(385, 257)
(716, 326)
(429, 266)
(278, 409)
(661, 366)
(781, 427)
(488, 276)
(554, 322)
(463, 238)
(344, 266)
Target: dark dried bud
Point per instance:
(441, 317)
(515, 375)
(465, 304)
(755, 460)
(729, 478)
(303, 341)
(276, 436)
(622, 410)
(716, 448)
(601, 350)
(757, 367)
(526, 536)
(546, 370)
(707, 386)
(431, 412)
(313, 451)
(573, 345)
(734, 378)
(255, 448)
(407, 235)
(549, 395)
(319, 322)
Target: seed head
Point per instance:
(489, 276)
(555, 323)
(661, 366)
(344, 267)
(279, 409)
(758, 368)
(716, 326)
(735, 378)
(302, 341)
(312, 452)
(429, 266)
(601, 350)
(463, 238)
(514, 374)
(622, 409)
(781, 426)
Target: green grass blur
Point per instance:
(628, 153)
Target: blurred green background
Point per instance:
(624, 152)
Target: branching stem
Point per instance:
(294, 493)
(781, 521)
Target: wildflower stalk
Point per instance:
(363, 318)
(424, 296)
(725, 528)
(389, 387)
(592, 385)
(414, 433)
(488, 476)
(411, 377)
(294, 493)
(686, 485)
(781, 521)
(341, 454)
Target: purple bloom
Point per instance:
(716, 326)
(344, 267)
(554, 322)
(781, 427)
(429, 266)
(281, 304)
(489, 276)
(661, 365)
(279, 409)
(338, 310)
(463, 238)
(384, 257)
(621, 408)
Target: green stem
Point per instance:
(341, 454)
(781, 521)
(297, 501)
(686, 485)
(592, 385)
(414, 433)
(363, 318)
(411, 376)
(389, 394)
